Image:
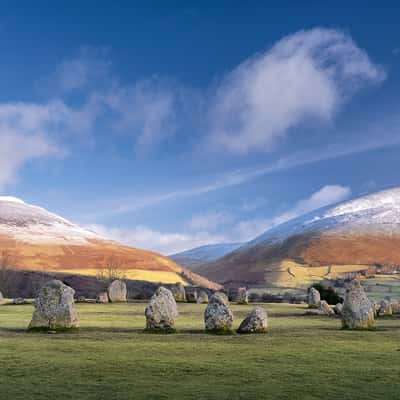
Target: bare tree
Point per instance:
(111, 271)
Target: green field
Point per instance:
(111, 358)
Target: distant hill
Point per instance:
(337, 241)
(199, 255)
(32, 238)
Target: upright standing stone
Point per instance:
(338, 308)
(102, 298)
(325, 308)
(358, 311)
(178, 290)
(385, 309)
(191, 295)
(1, 298)
(202, 297)
(242, 296)
(255, 322)
(55, 307)
(218, 315)
(161, 311)
(117, 292)
(313, 298)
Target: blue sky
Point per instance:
(174, 124)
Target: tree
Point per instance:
(111, 270)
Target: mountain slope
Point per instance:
(35, 239)
(335, 241)
(199, 255)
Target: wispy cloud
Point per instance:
(305, 75)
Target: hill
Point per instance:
(199, 255)
(32, 238)
(360, 235)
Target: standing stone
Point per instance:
(338, 308)
(1, 298)
(102, 298)
(358, 312)
(55, 307)
(395, 307)
(255, 322)
(324, 307)
(313, 298)
(161, 311)
(202, 297)
(242, 296)
(218, 316)
(178, 290)
(385, 309)
(191, 295)
(375, 307)
(117, 292)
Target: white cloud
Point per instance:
(305, 75)
(209, 222)
(162, 242)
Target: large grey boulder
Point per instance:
(55, 308)
(202, 297)
(178, 290)
(325, 308)
(218, 316)
(161, 311)
(117, 292)
(255, 322)
(313, 298)
(102, 298)
(385, 309)
(242, 296)
(358, 311)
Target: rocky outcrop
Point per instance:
(218, 315)
(161, 312)
(255, 322)
(178, 290)
(325, 308)
(313, 298)
(202, 297)
(385, 309)
(117, 292)
(242, 296)
(358, 311)
(55, 308)
(102, 298)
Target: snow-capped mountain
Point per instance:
(199, 255)
(362, 232)
(32, 238)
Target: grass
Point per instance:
(111, 357)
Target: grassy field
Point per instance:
(111, 358)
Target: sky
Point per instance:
(173, 124)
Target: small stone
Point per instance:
(242, 296)
(313, 297)
(81, 299)
(202, 297)
(161, 311)
(19, 301)
(358, 311)
(218, 315)
(191, 295)
(55, 308)
(338, 308)
(324, 307)
(178, 290)
(102, 298)
(1, 298)
(117, 292)
(255, 322)
(385, 309)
